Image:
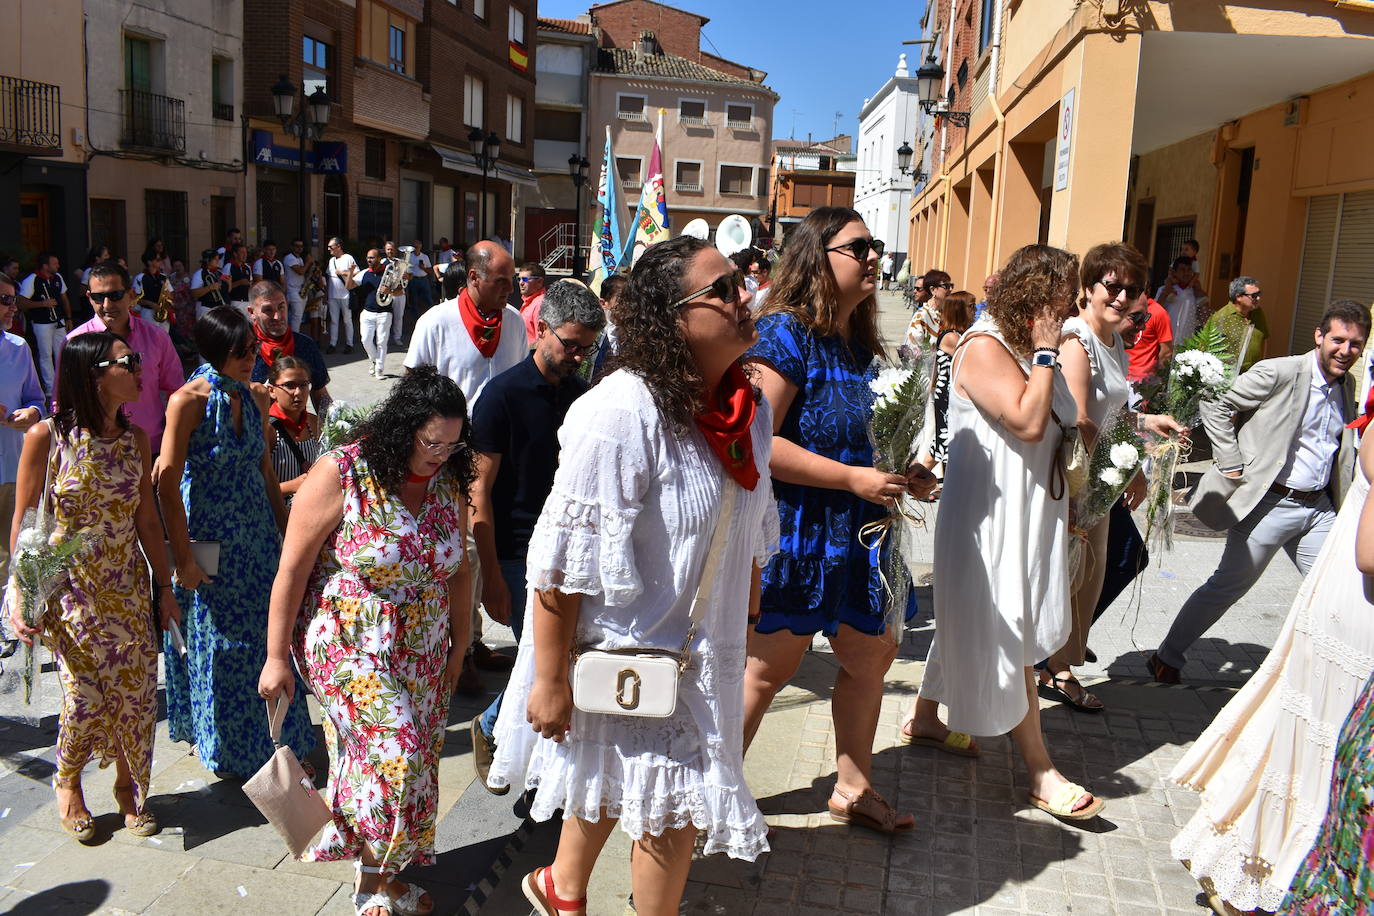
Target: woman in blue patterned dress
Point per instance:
(215, 448)
(818, 335)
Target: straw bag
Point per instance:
(284, 793)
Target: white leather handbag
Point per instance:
(641, 681)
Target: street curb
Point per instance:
(484, 888)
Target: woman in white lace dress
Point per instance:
(1264, 765)
(615, 561)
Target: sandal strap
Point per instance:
(364, 902)
(366, 869)
(961, 740)
(1066, 796)
(555, 901)
(869, 799)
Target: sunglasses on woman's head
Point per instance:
(725, 288)
(129, 361)
(857, 249)
(113, 295)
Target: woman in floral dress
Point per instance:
(374, 559)
(100, 629)
(215, 482)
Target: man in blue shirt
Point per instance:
(21, 406)
(515, 432)
(271, 324)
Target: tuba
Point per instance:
(396, 276)
(164, 302)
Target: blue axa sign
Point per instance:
(325, 158)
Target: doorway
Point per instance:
(107, 226)
(1144, 225)
(35, 229)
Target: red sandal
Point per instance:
(540, 893)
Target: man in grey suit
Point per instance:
(1283, 461)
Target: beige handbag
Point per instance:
(643, 681)
(284, 793)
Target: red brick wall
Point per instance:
(678, 31)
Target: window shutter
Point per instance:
(1314, 278)
(1353, 277)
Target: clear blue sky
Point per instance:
(821, 57)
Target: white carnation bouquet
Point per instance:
(1199, 372)
(1116, 457)
(339, 422)
(901, 393)
(42, 558)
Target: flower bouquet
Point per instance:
(894, 430)
(1117, 455)
(42, 558)
(339, 422)
(1199, 373)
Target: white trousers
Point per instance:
(295, 308)
(375, 326)
(49, 339)
(398, 313)
(339, 314)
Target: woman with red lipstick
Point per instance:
(374, 554)
(95, 464)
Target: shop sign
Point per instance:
(325, 158)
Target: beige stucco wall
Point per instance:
(27, 47)
(1182, 181)
(711, 145)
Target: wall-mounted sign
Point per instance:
(325, 158)
(1061, 159)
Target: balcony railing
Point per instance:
(30, 117)
(693, 120)
(633, 183)
(153, 122)
(222, 111)
(631, 115)
(688, 187)
(732, 124)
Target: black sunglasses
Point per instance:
(6, 300)
(1139, 318)
(130, 361)
(113, 295)
(725, 288)
(1114, 290)
(1255, 295)
(572, 349)
(857, 249)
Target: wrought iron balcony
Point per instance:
(222, 111)
(30, 117)
(153, 122)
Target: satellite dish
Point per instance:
(698, 229)
(733, 235)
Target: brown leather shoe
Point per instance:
(469, 682)
(483, 751)
(1162, 671)
(483, 657)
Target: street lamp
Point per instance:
(904, 154)
(929, 78)
(577, 170)
(306, 124)
(486, 149)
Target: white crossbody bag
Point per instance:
(637, 681)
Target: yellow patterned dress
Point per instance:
(101, 629)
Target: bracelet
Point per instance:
(1054, 350)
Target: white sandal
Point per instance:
(408, 904)
(362, 902)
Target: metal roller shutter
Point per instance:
(1353, 276)
(1314, 279)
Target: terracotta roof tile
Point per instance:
(626, 61)
(571, 26)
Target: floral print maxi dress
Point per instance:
(212, 694)
(373, 644)
(101, 630)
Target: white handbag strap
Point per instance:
(709, 568)
(276, 717)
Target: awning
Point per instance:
(464, 162)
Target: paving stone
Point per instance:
(213, 887)
(1128, 890)
(111, 874)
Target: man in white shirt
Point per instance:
(296, 264)
(1284, 458)
(442, 257)
(421, 270)
(398, 298)
(43, 300)
(342, 267)
(452, 335)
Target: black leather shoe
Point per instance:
(1162, 671)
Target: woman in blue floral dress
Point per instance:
(818, 337)
(215, 448)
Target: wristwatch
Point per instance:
(1045, 358)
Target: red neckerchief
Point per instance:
(269, 348)
(484, 331)
(1359, 423)
(727, 429)
(294, 428)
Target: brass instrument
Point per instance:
(312, 286)
(164, 302)
(396, 276)
(216, 293)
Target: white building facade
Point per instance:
(882, 194)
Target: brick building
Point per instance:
(807, 175)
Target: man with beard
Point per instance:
(515, 433)
(271, 326)
(1284, 458)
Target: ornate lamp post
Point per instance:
(486, 149)
(577, 170)
(308, 123)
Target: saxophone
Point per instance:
(396, 276)
(164, 302)
(313, 283)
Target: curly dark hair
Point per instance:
(649, 335)
(1034, 277)
(804, 286)
(387, 437)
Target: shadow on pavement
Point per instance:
(75, 899)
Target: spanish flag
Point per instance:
(519, 59)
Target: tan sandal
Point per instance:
(144, 823)
(83, 825)
(868, 809)
(1061, 803)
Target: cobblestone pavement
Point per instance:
(977, 848)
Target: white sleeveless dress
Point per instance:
(1108, 389)
(1001, 582)
(1263, 767)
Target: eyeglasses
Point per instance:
(1255, 295)
(439, 448)
(528, 279)
(1114, 291)
(572, 349)
(1139, 319)
(725, 288)
(113, 295)
(857, 249)
(130, 361)
(6, 300)
(291, 386)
